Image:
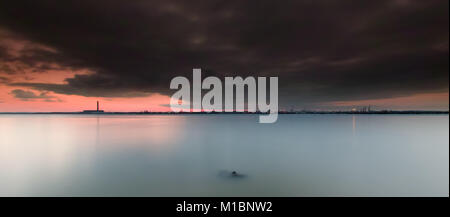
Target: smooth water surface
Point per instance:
(193, 155)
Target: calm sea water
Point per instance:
(193, 155)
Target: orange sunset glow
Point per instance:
(73, 103)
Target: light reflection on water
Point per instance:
(192, 155)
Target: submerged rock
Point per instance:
(232, 174)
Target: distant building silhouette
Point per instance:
(94, 111)
(363, 109)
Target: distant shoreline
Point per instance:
(227, 113)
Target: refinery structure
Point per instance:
(94, 111)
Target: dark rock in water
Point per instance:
(232, 174)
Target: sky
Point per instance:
(328, 55)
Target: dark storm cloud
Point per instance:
(18, 55)
(321, 50)
(89, 85)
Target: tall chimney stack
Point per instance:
(97, 106)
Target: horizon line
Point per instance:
(245, 112)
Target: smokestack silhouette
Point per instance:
(97, 106)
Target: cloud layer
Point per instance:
(29, 95)
(321, 50)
